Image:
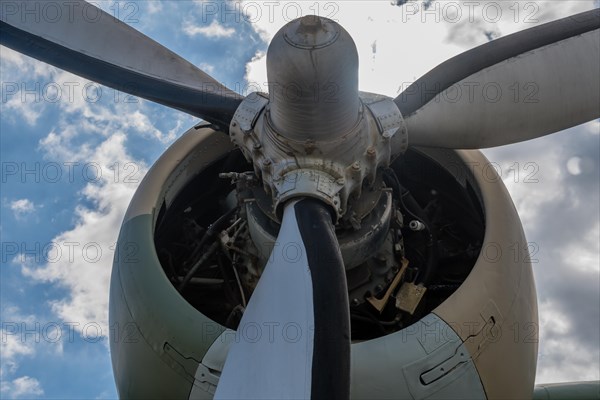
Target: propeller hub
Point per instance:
(312, 68)
(314, 135)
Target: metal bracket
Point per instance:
(205, 381)
(309, 182)
(388, 116)
(248, 111)
(409, 297)
(380, 304)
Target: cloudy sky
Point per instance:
(72, 154)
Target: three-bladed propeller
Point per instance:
(516, 88)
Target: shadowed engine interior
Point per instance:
(404, 254)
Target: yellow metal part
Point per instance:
(409, 296)
(380, 304)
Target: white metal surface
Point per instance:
(272, 353)
(537, 93)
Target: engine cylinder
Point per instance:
(312, 68)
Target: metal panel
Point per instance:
(398, 366)
(498, 296)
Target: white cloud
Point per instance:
(406, 47)
(141, 123)
(208, 68)
(154, 7)
(584, 254)
(21, 97)
(24, 336)
(13, 348)
(24, 386)
(256, 73)
(22, 207)
(93, 125)
(12, 345)
(87, 249)
(215, 29)
(14, 103)
(91, 128)
(561, 358)
(410, 40)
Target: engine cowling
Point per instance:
(459, 341)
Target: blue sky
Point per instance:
(71, 160)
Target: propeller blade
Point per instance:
(294, 338)
(82, 39)
(519, 87)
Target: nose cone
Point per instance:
(312, 67)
